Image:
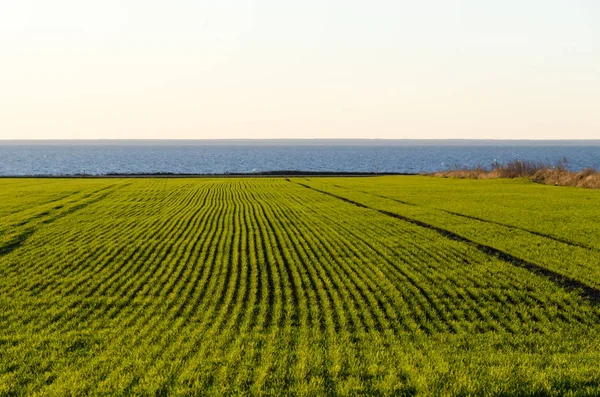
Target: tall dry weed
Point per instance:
(558, 175)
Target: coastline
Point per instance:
(266, 174)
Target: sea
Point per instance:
(104, 157)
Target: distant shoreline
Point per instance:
(266, 174)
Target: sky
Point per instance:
(206, 69)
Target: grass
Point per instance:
(302, 286)
(558, 175)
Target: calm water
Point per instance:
(217, 157)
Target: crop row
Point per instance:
(576, 265)
(260, 285)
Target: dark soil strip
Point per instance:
(548, 236)
(584, 290)
(17, 241)
(378, 195)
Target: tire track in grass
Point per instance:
(65, 307)
(536, 233)
(42, 211)
(66, 208)
(223, 347)
(361, 276)
(539, 234)
(422, 305)
(378, 195)
(76, 305)
(365, 282)
(100, 308)
(428, 305)
(322, 251)
(336, 236)
(509, 281)
(585, 291)
(18, 240)
(35, 279)
(45, 212)
(469, 298)
(79, 265)
(506, 321)
(433, 276)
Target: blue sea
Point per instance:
(19, 158)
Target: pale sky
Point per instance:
(194, 69)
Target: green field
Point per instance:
(302, 286)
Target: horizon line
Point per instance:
(296, 139)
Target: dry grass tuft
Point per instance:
(588, 178)
(558, 175)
